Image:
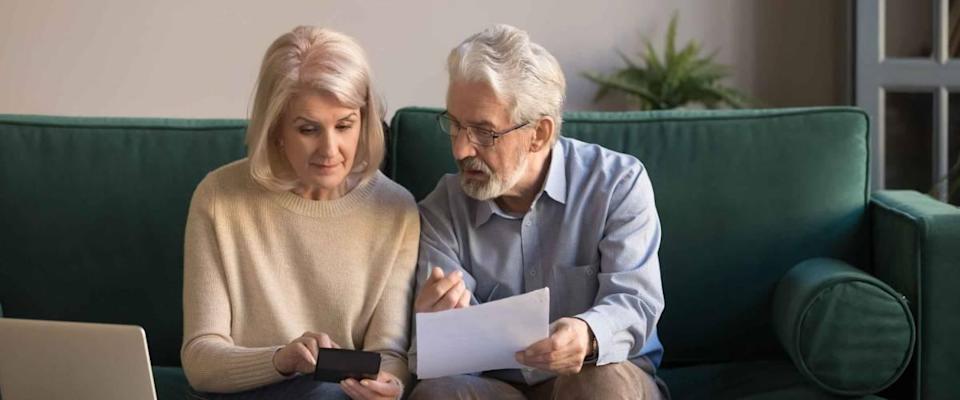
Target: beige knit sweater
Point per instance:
(261, 268)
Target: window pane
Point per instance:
(909, 28)
(953, 32)
(909, 141)
(953, 145)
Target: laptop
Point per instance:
(71, 360)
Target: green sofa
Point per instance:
(765, 214)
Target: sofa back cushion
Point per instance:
(742, 196)
(93, 213)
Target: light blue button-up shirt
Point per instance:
(591, 235)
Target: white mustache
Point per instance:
(474, 163)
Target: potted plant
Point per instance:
(673, 79)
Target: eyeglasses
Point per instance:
(478, 136)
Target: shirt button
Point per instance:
(527, 223)
(533, 272)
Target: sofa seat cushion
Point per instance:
(756, 380)
(170, 383)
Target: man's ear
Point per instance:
(543, 133)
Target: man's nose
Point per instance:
(462, 147)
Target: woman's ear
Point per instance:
(543, 133)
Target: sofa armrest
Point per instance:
(916, 250)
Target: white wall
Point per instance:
(180, 58)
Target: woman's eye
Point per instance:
(344, 127)
(306, 129)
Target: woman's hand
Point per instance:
(300, 355)
(386, 387)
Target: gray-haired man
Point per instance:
(530, 209)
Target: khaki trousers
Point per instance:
(612, 381)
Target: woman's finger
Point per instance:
(311, 344)
(356, 391)
(307, 362)
(387, 389)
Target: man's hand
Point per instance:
(441, 293)
(385, 387)
(301, 354)
(561, 353)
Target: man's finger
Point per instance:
(451, 298)
(434, 292)
(450, 281)
(557, 341)
(426, 298)
(436, 274)
(554, 362)
(540, 347)
(553, 359)
(543, 353)
(464, 299)
(440, 286)
(562, 337)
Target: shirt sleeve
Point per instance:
(630, 296)
(439, 247)
(211, 360)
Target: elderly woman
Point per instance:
(304, 244)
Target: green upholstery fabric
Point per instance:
(171, 383)
(756, 380)
(742, 195)
(846, 330)
(93, 211)
(916, 249)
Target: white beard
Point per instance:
(495, 185)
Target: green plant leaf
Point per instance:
(673, 79)
(671, 40)
(627, 60)
(651, 59)
(627, 87)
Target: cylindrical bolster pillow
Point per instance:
(845, 330)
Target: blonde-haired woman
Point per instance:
(304, 244)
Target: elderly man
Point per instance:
(530, 209)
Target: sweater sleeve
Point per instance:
(211, 360)
(389, 329)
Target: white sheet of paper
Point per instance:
(482, 337)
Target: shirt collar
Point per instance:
(555, 187)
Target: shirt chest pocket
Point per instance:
(573, 290)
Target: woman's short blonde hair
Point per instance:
(311, 59)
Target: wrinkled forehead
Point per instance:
(476, 103)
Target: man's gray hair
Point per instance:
(521, 73)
